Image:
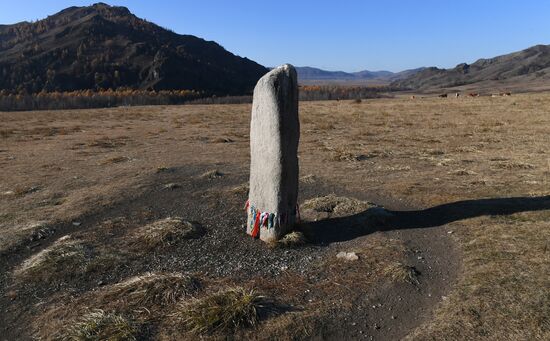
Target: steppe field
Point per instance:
(128, 223)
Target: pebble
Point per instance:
(77, 223)
(172, 186)
(351, 256)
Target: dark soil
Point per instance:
(386, 312)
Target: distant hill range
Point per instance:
(527, 69)
(102, 46)
(313, 76)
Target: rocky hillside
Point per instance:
(102, 46)
(523, 67)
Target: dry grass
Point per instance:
(343, 154)
(291, 240)
(21, 191)
(309, 179)
(144, 300)
(335, 206)
(399, 272)
(222, 312)
(65, 254)
(98, 326)
(212, 174)
(412, 150)
(165, 232)
(163, 169)
(294, 326)
(503, 291)
(241, 189)
(106, 142)
(5, 133)
(144, 295)
(222, 140)
(115, 159)
(66, 260)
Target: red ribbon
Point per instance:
(256, 229)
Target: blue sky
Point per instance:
(339, 35)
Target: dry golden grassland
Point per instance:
(58, 166)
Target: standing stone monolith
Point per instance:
(274, 136)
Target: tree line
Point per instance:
(84, 99)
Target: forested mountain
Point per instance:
(107, 47)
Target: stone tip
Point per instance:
(285, 67)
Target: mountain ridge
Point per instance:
(102, 46)
(531, 65)
(312, 75)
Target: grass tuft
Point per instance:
(151, 291)
(67, 260)
(165, 232)
(165, 169)
(100, 325)
(115, 159)
(336, 205)
(65, 253)
(225, 311)
(399, 272)
(212, 174)
(292, 239)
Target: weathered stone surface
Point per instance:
(274, 137)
